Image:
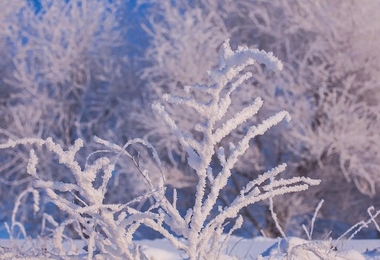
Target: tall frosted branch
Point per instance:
(203, 232)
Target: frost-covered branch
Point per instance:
(213, 106)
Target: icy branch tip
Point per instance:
(231, 58)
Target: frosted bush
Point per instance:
(199, 232)
(106, 229)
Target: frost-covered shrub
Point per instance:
(106, 229)
(201, 228)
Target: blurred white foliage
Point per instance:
(9, 12)
(182, 57)
(55, 52)
(60, 42)
(331, 77)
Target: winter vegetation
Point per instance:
(127, 120)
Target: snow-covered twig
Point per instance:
(197, 227)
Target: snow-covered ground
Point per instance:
(240, 248)
(252, 248)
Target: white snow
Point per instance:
(252, 248)
(237, 248)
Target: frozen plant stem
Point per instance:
(201, 153)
